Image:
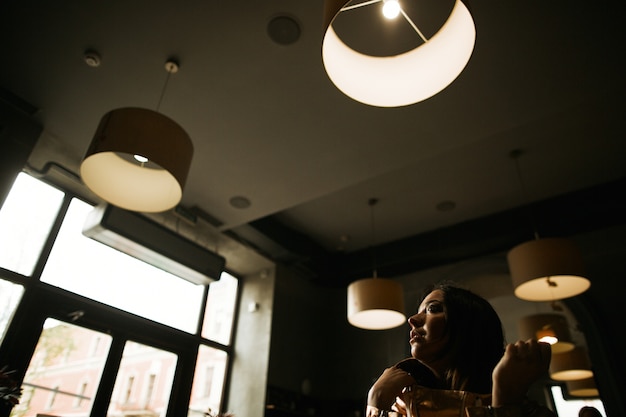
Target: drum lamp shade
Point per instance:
(547, 269)
(111, 168)
(376, 304)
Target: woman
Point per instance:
(460, 364)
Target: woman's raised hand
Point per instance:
(387, 387)
(523, 363)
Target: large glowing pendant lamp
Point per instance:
(548, 328)
(138, 159)
(375, 303)
(405, 78)
(547, 269)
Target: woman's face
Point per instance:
(429, 336)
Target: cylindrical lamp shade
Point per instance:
(582, 388)
(402, 79)
(570, 366)
(546, 325)
(112, 172)
(375, 304)
(547, 269)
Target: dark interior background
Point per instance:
(268, 125)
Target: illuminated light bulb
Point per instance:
(549, 339)
(406, 78)
(391, 9)
(140, 159)
(547, 335)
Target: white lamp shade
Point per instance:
(404, 79)
(582, 388)
(547, 270)
(110, 170)
(572, 365)
(375, 304)
(537, 326)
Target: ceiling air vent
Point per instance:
(136, 235)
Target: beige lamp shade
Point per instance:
(112, 171)
(572, 365)
(401, 79)
(582, 388)
(547, 270)
(375, 304)
(547, 327)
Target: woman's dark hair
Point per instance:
(476, 338)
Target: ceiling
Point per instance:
(268, 125)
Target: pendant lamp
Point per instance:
(572, 365)
(549, 328)
(545, 269)
(139, 158)
(582, 388)
(375, 303)
(400, 78)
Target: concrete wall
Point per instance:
(246, 393)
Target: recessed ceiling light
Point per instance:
(92, 58)
(240, 202)
(283, 30)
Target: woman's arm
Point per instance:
(523, 363)
(387, 387)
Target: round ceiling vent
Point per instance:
(240, 202)
(283, 30)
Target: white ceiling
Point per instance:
(267, 124)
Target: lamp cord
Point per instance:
(413, 25)
(356, 6)
(406, 17)
(163, 91)
(171, 67)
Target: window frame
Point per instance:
(41, 301)
(581, 401)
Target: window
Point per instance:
(10, 295)
(149, 389)
(59, 362)
(91, 269)
(207, 386)
(25, 220)
(209, 371)
(52, 398)
(570, 406)
(220, 310)
(81, 395)
(117, 333)
(128, 397)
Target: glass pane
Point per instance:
(144, 382)
(64, 372)
(10, 295)
(208, 382)
(220, 310)
(91, 269)
(571, 407)
(25, 221)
